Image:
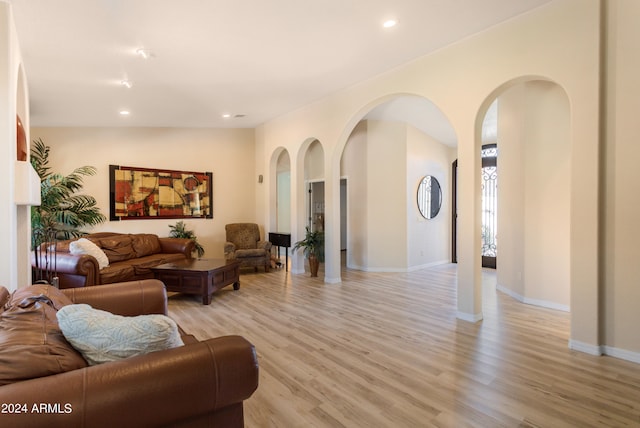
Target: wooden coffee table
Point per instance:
(199, 276)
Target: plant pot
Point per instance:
(314, 264)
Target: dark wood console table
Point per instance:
(281, 240)
(199, 276)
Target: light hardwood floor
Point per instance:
(386, 350)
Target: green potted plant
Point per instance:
(179, 230)
(312, 247)
(62, 212)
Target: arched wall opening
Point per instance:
(23, 211)
(280, 186)
(396, 141)
(534, 175)
(310, 168)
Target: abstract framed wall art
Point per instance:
(145, 193)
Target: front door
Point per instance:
(489, 207)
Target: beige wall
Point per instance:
(428, 241)
(283, 193)
(383, 163)
(356, 171)
(533, 177)
(314, 162)
(511, 200)
(227, 153)
(386, 201)
(621, 201)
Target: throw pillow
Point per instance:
(101, 336)
(84, 246)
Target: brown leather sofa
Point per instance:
(130, 258)
(196, 385)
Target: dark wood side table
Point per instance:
(199, 276)
(281, 240)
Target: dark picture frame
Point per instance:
(147, 193)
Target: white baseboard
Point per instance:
(610, 351)
(469, 317)
(336, 280)
(428, 265)
(623, 354)
(535, 302)
(587, 348)
(382, 269)
(396, 269)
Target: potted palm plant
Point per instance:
(179, 230)
(63, 212)
(312, 247)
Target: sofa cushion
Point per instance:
(117, 272)
(31, 343)
(145, 244)
(143, 265)
(118, 248)
(102, 336)
(84, 246)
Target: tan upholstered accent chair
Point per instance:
(244, 244)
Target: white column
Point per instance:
(469, 241)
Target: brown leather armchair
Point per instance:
(244, 244)
(199, 384)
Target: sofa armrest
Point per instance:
(157, 389)
(229, 250)
(131, 298)
(70, 264)
(177, 245)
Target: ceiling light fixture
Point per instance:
(145, 53)
(390, 23)
(125, 112)
(126, 83)
(226, 115)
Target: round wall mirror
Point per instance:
(429, 196)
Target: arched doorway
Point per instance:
(533, 140)
(389, 151)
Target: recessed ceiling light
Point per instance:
(125, 112)
(389, 23)
(126, 83)
(145, 53)
(226, 115)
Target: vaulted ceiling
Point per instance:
(249, 59)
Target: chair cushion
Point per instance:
(84, 246)
(31, 343)
(101, 336)
(256, 252)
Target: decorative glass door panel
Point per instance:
(489, 205)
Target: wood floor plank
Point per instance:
(386, 350)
